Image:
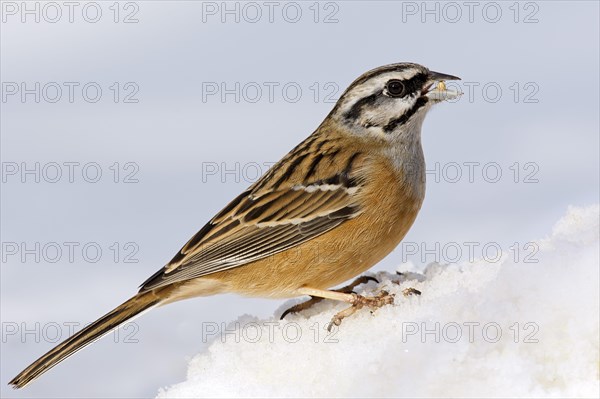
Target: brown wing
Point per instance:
(282, 210)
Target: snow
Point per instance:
(489, 329)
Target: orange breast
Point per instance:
(389, 210)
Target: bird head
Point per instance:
(391, 100)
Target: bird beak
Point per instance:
(441, 76)
(440, 92)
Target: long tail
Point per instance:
(104, 325)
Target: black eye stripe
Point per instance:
(411, 86)
(414, 84)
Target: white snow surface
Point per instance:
(479, 329)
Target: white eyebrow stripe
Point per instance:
(374, 85)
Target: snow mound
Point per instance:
(508, 328)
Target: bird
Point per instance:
(329, 210)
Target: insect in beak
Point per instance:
(441, 92)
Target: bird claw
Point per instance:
(360, 280)
(374, 302)
(407, 291)
(410, 291)
(358, 301)
(314, 300)
(301, 306)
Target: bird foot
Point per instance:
(374, 302)
(314, 300)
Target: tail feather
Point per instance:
(104, 325)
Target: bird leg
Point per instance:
(316, 299)
(357, 301)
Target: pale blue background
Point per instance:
(171, 132)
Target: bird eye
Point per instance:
(395, 88)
